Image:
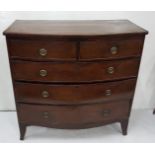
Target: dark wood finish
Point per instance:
(22, 131)
(101, 48)
(124, 126)
(73, 116)
(29, 49)
(73, 28)
(74, 94)
(74, 74)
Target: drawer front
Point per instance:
(111, 48)
(72, 116)
(42, 49)
(74, 94)
(75, 72)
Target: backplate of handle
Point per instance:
(43, 72)
(45, 115)
(108, 92)
(111, 70)
(114, 50)
(45, 94)
(42, 52)
(106, 112)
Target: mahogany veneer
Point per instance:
(74, 74)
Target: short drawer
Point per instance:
(73, 116)
(74, 72)
(42, 49)
(74, 94)
(110, 48)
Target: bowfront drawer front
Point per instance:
(74, 94)
(73, 116)
(75, 72)
(42, 49)
(111, 48)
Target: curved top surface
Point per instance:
(73, 28)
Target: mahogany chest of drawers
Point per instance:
(74, 74)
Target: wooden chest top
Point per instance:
(73, 28)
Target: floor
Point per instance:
(141, 129)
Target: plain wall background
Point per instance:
(145, 90)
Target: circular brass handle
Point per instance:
(114, 50)
(45, 94)
(43, 52)
(43, 72)
(106, 112)
(110, 70)
(108, 92)
(45, 115)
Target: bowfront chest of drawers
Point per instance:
(74, 74)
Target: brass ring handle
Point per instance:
(43, 52)
(114, 50)
(45, 94)
(108, 92)
(45, 115)
(106, 112)
(43, 72)
(110, 70)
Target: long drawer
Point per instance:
(75, 72)
(73, 116)
(74, 94)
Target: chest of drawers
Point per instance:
(74, 74)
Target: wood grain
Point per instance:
(72, 28)
(79, 82)
(75, 72)
(74, 94)
(101, 48)
(72, 116)
(29, 49)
